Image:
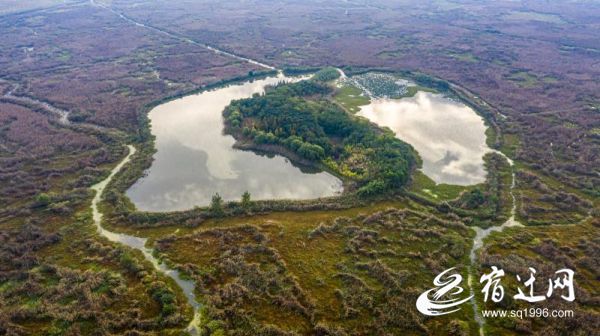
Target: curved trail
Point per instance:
(138, 243)
(61, 115)
(481, 234)
(510, 222)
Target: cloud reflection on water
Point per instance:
(449, 136)
(194, 160)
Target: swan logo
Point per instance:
(444, 298)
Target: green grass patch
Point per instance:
(424, 186)
(524, 79)
(351, 98)
(510, 144)
(464, 56)
(393, 54)
(412, 90)
(549, 79)
(64, 56)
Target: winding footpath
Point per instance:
(138, 243)
(61, 115)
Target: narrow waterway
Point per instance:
(181, 38)
(63, 116)
(138, 243)
(480, 235)
(437, 126)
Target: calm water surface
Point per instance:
(194, 160)
(449, 136)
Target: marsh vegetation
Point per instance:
(338, 265)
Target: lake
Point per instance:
(195, 160)
(448, 135)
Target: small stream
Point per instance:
(480, 235)
(181, 38)
(138, 243)
(433, 124)
(63, 116)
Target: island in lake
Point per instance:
(299, 168)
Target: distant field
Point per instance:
(14, 6)
(534, 16)
(332, 266)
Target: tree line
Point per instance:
(300, 118)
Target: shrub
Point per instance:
(326, 75)
(216, 205)
(246, 200)
(42, 200)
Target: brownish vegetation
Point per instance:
(102, 288)
(287, 272)
(537, 63)
(56, 275)
(37, 156)
(543, 202)
(348, 276)
(87, 60)
(547, 250)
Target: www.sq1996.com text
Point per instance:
(528, 313)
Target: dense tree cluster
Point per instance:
(326, 75)
(298, 119)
